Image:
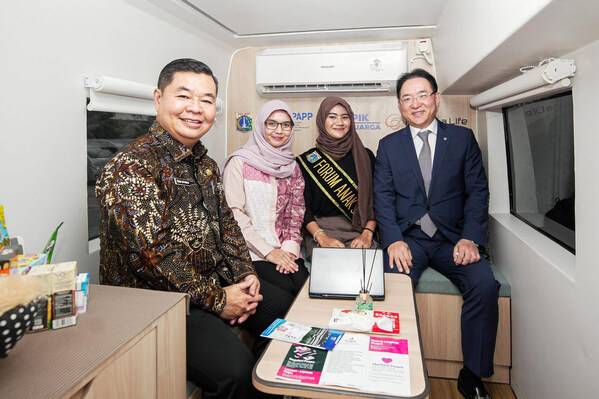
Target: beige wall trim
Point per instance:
(378, 115)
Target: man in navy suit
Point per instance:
(431, 205)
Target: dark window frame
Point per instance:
(508, 147)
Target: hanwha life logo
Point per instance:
(394, 121)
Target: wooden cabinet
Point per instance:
(130, 344)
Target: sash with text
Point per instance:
(332, 180)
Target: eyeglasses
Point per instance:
(272, 125)
(421, 97)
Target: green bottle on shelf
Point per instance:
(49, 247)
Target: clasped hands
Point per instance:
(465, 252)
(364, 240)
(242, 300)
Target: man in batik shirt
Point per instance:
(165, 225)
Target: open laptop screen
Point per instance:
(337, 272)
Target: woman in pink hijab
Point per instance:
(264, 187)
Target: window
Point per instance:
(107, 133)
(540, 146)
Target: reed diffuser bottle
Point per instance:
(364, 300)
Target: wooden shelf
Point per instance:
(130, 344)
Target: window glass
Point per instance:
(107, 133)
(540, 138)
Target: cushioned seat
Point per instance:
(434, 282)
(439, 308)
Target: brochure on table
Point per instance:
(368, 321)
(303, 364)
(297, 333)
(367, 362)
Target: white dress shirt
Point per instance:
(432, 139)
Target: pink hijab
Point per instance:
(258, 153)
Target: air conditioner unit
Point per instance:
(363, 68)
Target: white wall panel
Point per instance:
(555, 322)
(47, 48)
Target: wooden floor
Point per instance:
(448, 389)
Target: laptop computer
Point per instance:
(337, 272)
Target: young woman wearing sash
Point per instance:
(338, 177)
(264, 188)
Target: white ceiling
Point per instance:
(558, 29)
(245, 18)
(563, 26)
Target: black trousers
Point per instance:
(217, 360)
(292, 282)
(479, 289)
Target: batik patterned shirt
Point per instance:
(165, 224)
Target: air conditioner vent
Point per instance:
(377, 87)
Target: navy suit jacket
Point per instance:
(458, 195)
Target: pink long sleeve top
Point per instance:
(269, 210)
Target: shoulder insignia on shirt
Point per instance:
(313, 157)
(181, 182)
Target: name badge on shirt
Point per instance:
(181, 182)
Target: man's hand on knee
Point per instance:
(254, 284)
(400, 255)
(465, 252)
(239, 301)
